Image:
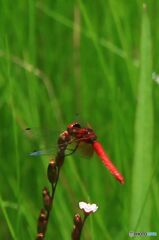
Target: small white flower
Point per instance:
(87, 207)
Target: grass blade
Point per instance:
(9, 224)
(142, 170)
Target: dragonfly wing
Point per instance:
(85, 150)
(43, 140)
(42, 137)
(40, 152)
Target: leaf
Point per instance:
(143, 152)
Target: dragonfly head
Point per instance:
(73, 128)
(82, 134)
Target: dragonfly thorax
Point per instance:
(86, 135)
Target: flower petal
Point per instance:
(87, 207)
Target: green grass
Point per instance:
(60, 58)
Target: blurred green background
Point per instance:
(95, 59)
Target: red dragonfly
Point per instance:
(86, 136)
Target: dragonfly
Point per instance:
(78, 136)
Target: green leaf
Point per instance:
(143, 152)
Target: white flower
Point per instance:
(87, 207)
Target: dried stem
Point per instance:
(78, 226)
(53, 173)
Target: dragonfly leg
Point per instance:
(72, 150)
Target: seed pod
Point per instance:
(60, 159)
(75, 233)
(78, 223)
(47, 199)
(42, 222)
(52, 172)
(40, 236)
(77, 219)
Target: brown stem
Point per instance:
(78, 226)
(53, 177)
(53, 173)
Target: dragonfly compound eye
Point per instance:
(76, 125)
(73, 127)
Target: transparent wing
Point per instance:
(43, 140)
(39, 138)
(52, 151)
(81, 149)
(85, 150)
(41, 135)
(40, 152)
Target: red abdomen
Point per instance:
(105, 159)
